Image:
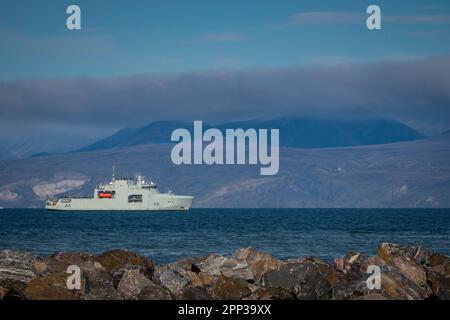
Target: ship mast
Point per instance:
(113, 173)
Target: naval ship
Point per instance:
(124, 194)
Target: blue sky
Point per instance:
(144, 37)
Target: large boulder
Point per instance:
(154, 292)
(114, 259)
(409, 260)
(194, 293)
(51, 287)
(117, 274)
(395, 285)
(60, 261)
(215, 265)
(16, 269)
(174, 278)
(389, 251)
(3, 292)
(271, 294)
(99, 287)
(51, 283)
(438, 275)
(258, 262)
(352, 277)
(308, 279)
(228, 288)
(132, 283)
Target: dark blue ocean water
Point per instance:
(168, 236)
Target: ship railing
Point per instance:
(75, 197)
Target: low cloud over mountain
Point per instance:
(417, 90)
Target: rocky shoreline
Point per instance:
(406, 273)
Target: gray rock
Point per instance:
(216, 265)
(16, 268)
(117, 274)
(407, 273)
(305, 279)
(438, 275)
(388, 251)
(350, 290)
(98, 286)
(271, 294)
(394, 284)
(194, 293)
(371, 296)
(171, 277)
(259, 262)
(117, 258)
(228, 288)
(132, 283)
(155, 292)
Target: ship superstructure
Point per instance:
(124, 194)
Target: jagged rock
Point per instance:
(411, 270)
(194, 293)
(395, 285)
(388, 251)
(154, 292)
(339, 264)
(439, 263)
(271, 294)
(188, 264)
(216, 265)
(39, 266)
(51, 287)
(371, 296)
(351, 284)
(3, 292)
(98, 285)
(60, 261)
(406, 273)
(351, 264)
(16, 269)
(307, 279)
(52, 281)
(408, 260)
(350, 290)
(132, 283)
(117, 258)
(438, 275)
(258, 262)
(439, 285)
(171, 277)
(228, 288)
(117, 274)
(199, 280)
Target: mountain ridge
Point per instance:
(402, 175)
(297, 132)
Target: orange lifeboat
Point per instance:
(103, 195)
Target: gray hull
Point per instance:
(124, 195)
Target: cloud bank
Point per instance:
(414, 90)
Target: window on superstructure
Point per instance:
(135, 198)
